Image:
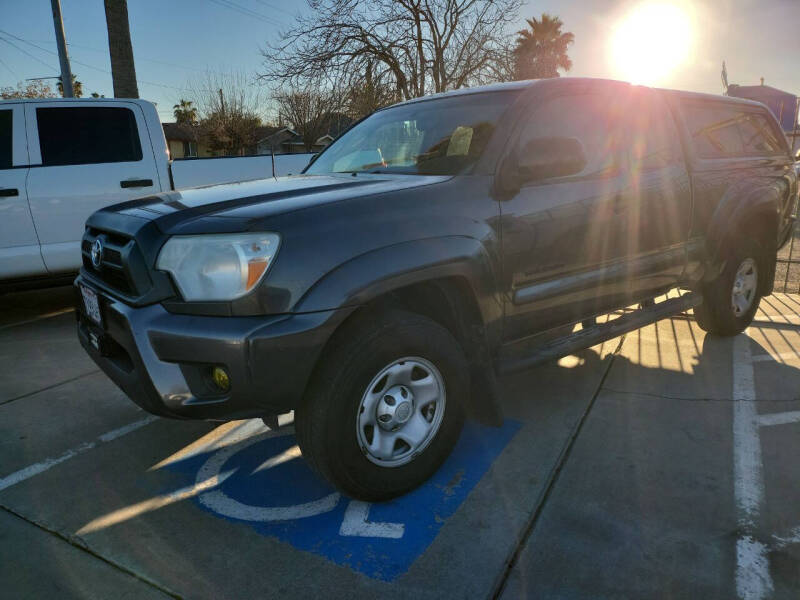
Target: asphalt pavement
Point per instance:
(661, 464)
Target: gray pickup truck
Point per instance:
(437, 244)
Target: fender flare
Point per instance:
(736, 212)
(743, 206)
(377, 272)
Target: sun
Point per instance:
(651, 42)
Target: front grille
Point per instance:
(114, 269)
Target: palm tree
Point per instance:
(541, 49)
(77, 87)
(185, 112)
(123, 71)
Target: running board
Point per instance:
(586, 338)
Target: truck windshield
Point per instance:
(437, 137)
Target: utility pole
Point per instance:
(63, 57)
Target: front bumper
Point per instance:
(161, 360)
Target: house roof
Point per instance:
(180, 132)
(278, 135)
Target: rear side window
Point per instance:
(6, 142)
(724, 131)
(591, 119)
(759, 135)
(654, 139)
(87, 135)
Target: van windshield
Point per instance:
(437, 137)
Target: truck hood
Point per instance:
(233, 205)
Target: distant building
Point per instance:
(782, 104)
(181, 140)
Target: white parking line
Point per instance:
(37, 318)
(49, 463)
(776, 357)
(753, 580)
(768, 419)
(787, 540)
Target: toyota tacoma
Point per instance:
(436, 245)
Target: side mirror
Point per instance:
(797, 156)
(543, 158)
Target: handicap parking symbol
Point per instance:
(262, 480)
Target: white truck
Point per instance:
(61, 160)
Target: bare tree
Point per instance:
(308, 107)
(368, 95)
(28, 89)
(418, 46)
(230, 112)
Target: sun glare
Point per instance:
(651, 41)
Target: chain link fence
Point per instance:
(787, 272)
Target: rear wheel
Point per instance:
(385, 408)
(730, 302)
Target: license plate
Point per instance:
(90, 305)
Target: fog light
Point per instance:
(221, 378)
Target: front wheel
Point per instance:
(385, 408)
(730, 301)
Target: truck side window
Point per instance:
(654, 139)
(87, 135)
(715, 130)
(759, 136)
(6, 142)
(590, 119)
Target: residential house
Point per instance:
(182, 140)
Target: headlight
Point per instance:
(218, 267)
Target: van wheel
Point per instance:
(730, 302)
(385, 407)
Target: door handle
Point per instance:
(131, 183)
(619, 204)
(7, 192)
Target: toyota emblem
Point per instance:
(97, 253)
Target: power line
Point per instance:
(138, 57)
(88, 66)
(2, 62)
(28, 54)
(245, 11)
(278, 8)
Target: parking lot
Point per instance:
(660, 464)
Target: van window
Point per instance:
(6, 142)
(654, 139)
(84, 135)
(592, 119)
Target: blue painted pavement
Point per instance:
(422, 512)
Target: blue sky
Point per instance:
(175, 41)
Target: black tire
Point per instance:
(326, 419)
(717, 314)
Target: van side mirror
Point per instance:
(543, 158)
(797, 155)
